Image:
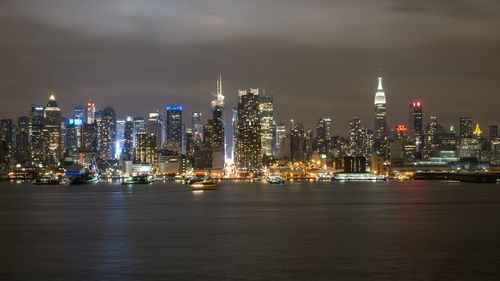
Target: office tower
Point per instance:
(190, 147)
(128, 139)
(401, 133)
(208, 133)
(268, 126)
(248, 154)
(360, 139)
(52, 131)
(90, 112)
(493, 132)
(380, 129)
(416, 131)
(79, 112)
(218, 138)
(6, 141)
(120, 136)
(23, 139)
(71, 134)
(234, 125)
(146, 150)
(174, 125)
(280, 135)
(323, 134)
(465, 127)
(89, 137)
(297, 142)
(156, 126)
(35, 133)
(106, 134)
(495, 151)
(197, 126)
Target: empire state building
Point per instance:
(380, 129)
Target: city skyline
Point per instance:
(327, 66)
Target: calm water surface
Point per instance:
(417, 230)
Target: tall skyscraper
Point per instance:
(297, 142)
(120, 136)
(90, 112)
(268, 126)
(280, 135)
(6, 141)
(415, 114)
(197, 126)
(493, 132)
(52, 131)
(465, 127)
(36, 134)
(146, 151)
(381, 125)
(156, 126)
(323, 134)
(174, 124)
(128, 139)
(218, 117)
(248, 154)
(23, 139)
(218, 138)
(106, 134)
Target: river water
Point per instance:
(416, 230)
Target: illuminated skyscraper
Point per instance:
(197, 126)
(52, 131)
(156, 126)
(174, 124)
(248, 154)
(280, 135)
(465, 127)
(218, 139)
(36, 134)
(493, 132)
(23, 139)
(106, 134)
(323, 134)
(146, 151)
(267, 124)
(416, 127)
(6, 141)
(128, 139)
(381, 125)
(90, 112)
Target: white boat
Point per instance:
(451, 181)
(275, 180)
(206, 184)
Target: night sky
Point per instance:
(318, 58)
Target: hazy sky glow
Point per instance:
(318, 57)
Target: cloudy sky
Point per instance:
(319, 58)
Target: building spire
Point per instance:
(380, 84)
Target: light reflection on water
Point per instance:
(251, 231)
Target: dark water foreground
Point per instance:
(301, 231)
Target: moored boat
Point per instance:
(47, 180)
(205, 184)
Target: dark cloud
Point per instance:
(318, 58)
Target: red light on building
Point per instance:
(400, 128)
